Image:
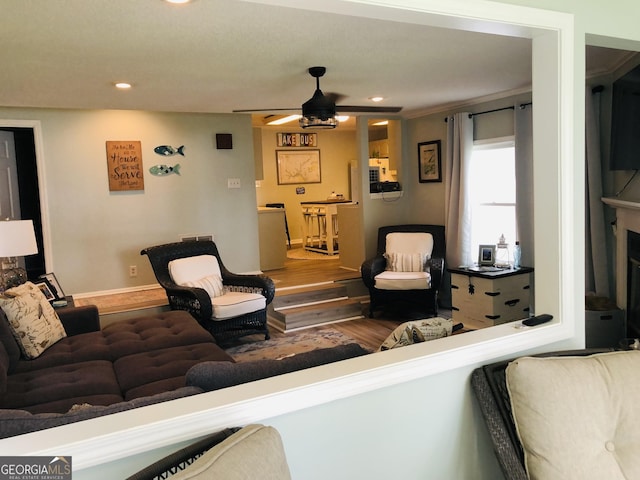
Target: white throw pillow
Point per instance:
(211, 283)
(407, 262)
(33, 321)
(192, 269)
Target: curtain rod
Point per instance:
(512, 107)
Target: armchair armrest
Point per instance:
(436, 266)
(258, 282)
(192, 299)
(372, 267)
(77, 320)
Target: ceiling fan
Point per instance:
(320, 110)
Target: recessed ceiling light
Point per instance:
(342, 118)
(380, 123)
(123, 85)
(177, 1)
(376, 99)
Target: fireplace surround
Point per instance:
(627, 266)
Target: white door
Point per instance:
(9, 199)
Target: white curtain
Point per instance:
(457, 204)
(524, 182)
(596, 270)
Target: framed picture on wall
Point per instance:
(429, 162)
(298, 166)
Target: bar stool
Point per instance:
(322, 227)
(311, 226)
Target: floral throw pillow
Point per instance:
(33, 321)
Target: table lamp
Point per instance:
(17, 239)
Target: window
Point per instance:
(492, 193)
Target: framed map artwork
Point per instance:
(298, 166)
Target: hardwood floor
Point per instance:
(307, 272)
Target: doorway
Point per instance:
(28, 192)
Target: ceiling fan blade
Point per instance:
(335, 97)
(253, 110)
(363, 109)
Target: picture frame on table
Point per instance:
(46, 288)
(429, 162)
(56, 289)
(486, 255)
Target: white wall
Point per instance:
(424, 424)
(96, 234)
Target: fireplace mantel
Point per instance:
(618, 203)
(627, 218)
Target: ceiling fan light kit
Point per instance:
(319, 111)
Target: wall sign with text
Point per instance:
(124, 164)
(297, 139)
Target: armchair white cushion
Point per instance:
(407, 254)
(203, 271)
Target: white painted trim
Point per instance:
(117, 291)
(98, 441)
(101, 440)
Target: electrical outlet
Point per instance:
(233, 183)
(133, 270)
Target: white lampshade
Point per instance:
(17, 238)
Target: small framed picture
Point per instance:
(429, 162)
(46, 288)
(487, 255)
(56, 289)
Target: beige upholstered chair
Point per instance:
(251, 453)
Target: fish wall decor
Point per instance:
(168, 150)
(162, 170)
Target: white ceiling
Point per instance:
(221, 55)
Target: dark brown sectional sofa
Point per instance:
(128, 364)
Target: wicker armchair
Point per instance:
(198, 302)
(490, 388)
(420, 302)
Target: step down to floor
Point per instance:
(308, 295)
(295, 318)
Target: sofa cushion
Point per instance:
(69, 350)
(57, 389)
(389, 280)
(162, 369)
(255, 451)
(32, 319)
(18, 422)
(190, 269)
(234, 304)
(9, 342)
(214, 376)
(577, 416)
(154, 332)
